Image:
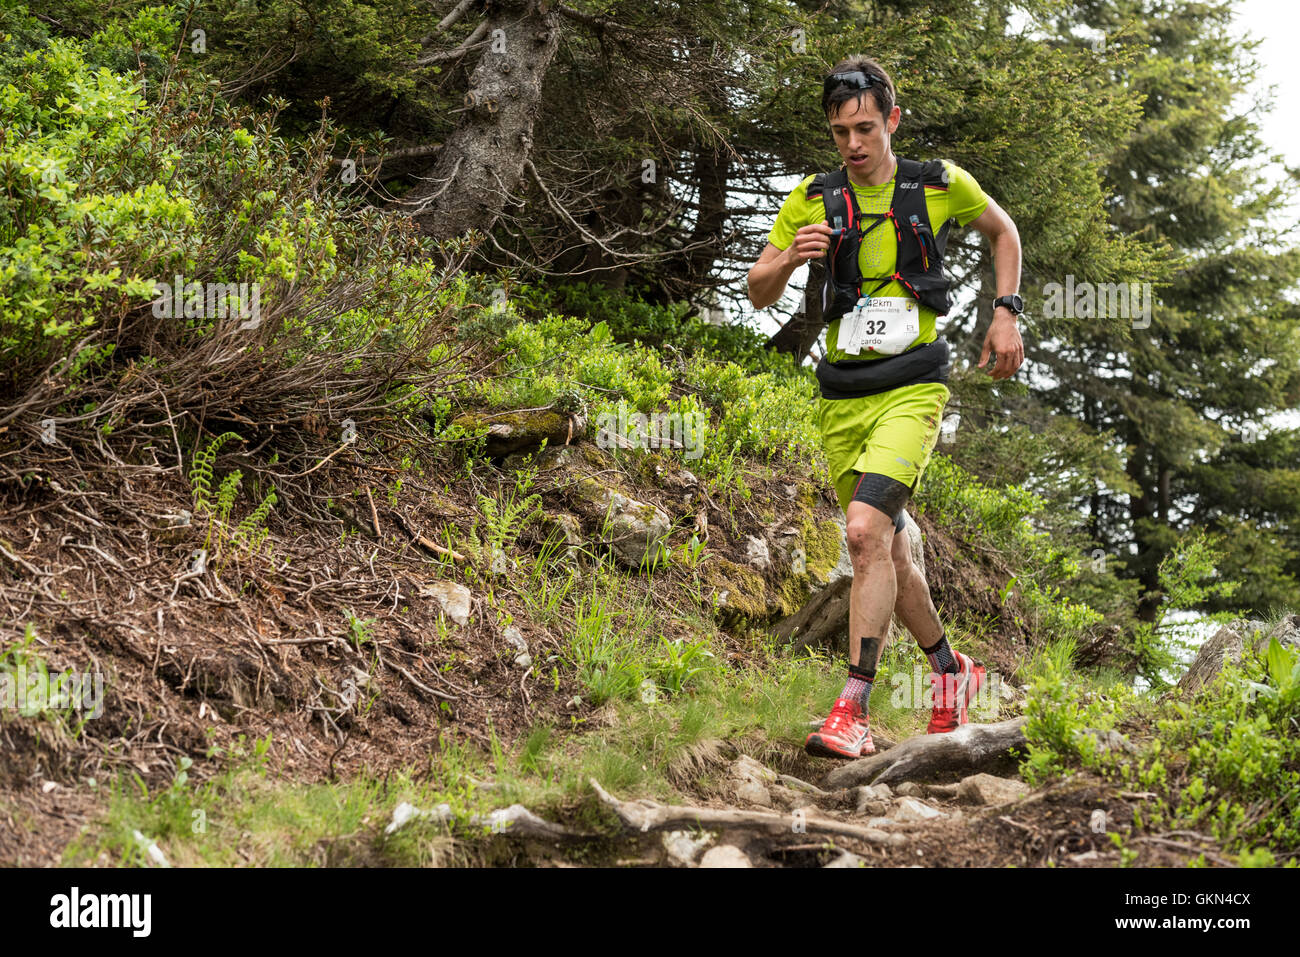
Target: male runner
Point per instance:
(882, 389)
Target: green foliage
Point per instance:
(1056, 719)
(676, 327)
(1242, 755)
(1000, 519)
(200, 476)
(1187, 576)
(607, 661)
(1225, 763)
(680, 663)
(247, 537)
(768, 416)
(71, 241)
(53, 702)
(360, 631)
(118, 184)
(506, 517)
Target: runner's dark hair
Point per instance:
(882, 92)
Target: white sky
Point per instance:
(1277, 22)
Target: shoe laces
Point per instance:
(842, 716)
(944, 687)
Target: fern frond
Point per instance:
(226, 494)
(252, 531)
(201, 471)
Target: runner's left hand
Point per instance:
(1004, 340)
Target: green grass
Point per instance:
(243, 815)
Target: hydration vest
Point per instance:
(919, 266)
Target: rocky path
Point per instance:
(763, 818)
(747, 814)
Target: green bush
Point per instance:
(116, 182)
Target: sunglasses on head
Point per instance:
(855, 79)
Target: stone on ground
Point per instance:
(910, 809)
(725, 855)
(990, 789)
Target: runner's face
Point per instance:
(862, 137)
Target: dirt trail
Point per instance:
(780, 820)
(744, 813)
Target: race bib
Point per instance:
(881, 324)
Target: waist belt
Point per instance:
(855, 378)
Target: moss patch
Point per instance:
(822, 541)
(745, 588)
(792, 593)
(515, 431)
(597, 456)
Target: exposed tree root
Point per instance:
(971, 747)
(645, 815)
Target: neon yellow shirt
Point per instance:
(963, 200)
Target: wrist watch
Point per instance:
(1012, 302)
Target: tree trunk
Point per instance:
(1140, 512)
(712, 169)
(1162, 485)
(483, 160)
(1094, 500)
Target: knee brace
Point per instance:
(885, 493)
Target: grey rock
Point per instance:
(988, 789)
(524, 660)
(634, 528)
(1110, 741)
(563, 529)
(1229, 644)
(745, 768)
(873, 807)
(848, 859)
(683, 847)
(452, 596)
(789, 798)
(751, 792)
(756, 552)
(549, 458)
(792, 782)
(515, 638)
(725, 855)
(911, 789)
(879, 792)
(910, 809)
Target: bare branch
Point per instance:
(469, 43)
(456, 14)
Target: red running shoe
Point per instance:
(952, 695)
(845, 733)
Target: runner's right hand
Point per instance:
(810, 242)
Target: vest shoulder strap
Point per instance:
(930, 173)
(824, 181)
